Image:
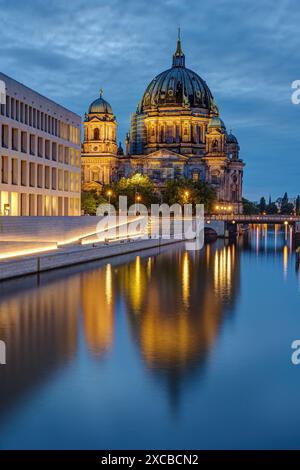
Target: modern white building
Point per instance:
(40, 148)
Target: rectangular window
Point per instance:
(4, 136)
(40, 147)
(32, 144)
(14, 171)
(23, 173)
(32, 174)
(71, 156)
(60, 180)
(4, 169)
(66, 181)
(66, 155)
(60, 153)
(54, 151)
(14, 139)
(24, 141)
(47, 177)
(47, 149)
(40, 176)
(54, 175)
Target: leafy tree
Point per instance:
(249, 208)
(137, 188)
(89, 202)
(287, 209)
(91, 198)
(286, 206)
(272, 208)
(184, 191)
(262, 205)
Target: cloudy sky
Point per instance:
(248, 52)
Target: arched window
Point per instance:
(215, 144)
(96, 134)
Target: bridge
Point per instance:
(228, 224)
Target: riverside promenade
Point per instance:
(35, 245)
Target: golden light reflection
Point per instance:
(149, 267)
(275, 238)
(223, 266)
(285, 260)
(40, 328)
(257, 239)
(185, 279)
(207, 255)
(108, 284)
(98, 309)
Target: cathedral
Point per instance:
(175, 132)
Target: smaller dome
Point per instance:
(216, 123)
(100, 106)
(231, 139)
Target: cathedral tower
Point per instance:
(99, 152)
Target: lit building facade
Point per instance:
(99, 151)
(175, 132)
(40, 148)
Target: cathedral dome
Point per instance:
(178, 87)
(100, 106)
(231, 139)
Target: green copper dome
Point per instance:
(216, 122)
(100, 106)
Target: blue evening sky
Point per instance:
(248, 52)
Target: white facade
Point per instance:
(40, 147)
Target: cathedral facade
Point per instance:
(175, 132)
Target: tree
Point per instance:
(249, 208)
(137, 188)
(89, 202)
(272, 208)
(91, 198)
(262, 205)
(298, 205)
(286, 206)
(183, 191)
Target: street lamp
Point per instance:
(137, 199)
(109, 193)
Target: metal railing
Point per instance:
(254, 218)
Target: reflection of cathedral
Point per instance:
(174, 303)
(175, 131)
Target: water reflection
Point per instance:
(174, 302)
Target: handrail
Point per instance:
(253, 218)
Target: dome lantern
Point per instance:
(178, 57)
